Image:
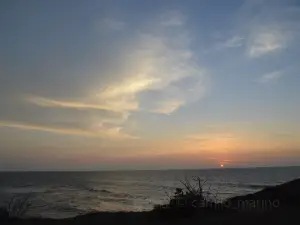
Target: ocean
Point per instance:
(67, 194)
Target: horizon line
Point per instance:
(137, 170)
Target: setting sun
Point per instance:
(149, 111)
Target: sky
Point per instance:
(158, 84)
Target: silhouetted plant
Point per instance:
(17, 207)
(190, 200)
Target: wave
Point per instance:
(257, 186)
(24, 190)
(119, 195)
(117, 200)
(240, 185)
(97, 190)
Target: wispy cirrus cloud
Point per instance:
(265, 42)
(160, 78)
(269, 27)
(233, 42)
(119, 106)
(101, 132)
(270, 77)
(204, 137)
(109, 124)
(162, 65)
(168, 107)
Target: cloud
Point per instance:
(160, 77)
(234, 42)
(172, 18)
(103, 119)
(168, 107)
(269, 77)
(100, 131)
(162, 64)
(119, 106)
(129, 87)
(265, 42)
(268, 26)
(210, 137)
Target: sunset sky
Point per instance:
(91, 85)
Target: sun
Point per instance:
(222, 165)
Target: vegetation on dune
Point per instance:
(191, 200)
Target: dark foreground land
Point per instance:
(279, 205)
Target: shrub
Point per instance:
(190, 200)
(17, 207)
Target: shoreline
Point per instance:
(246, 209)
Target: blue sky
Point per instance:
(149, 84)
